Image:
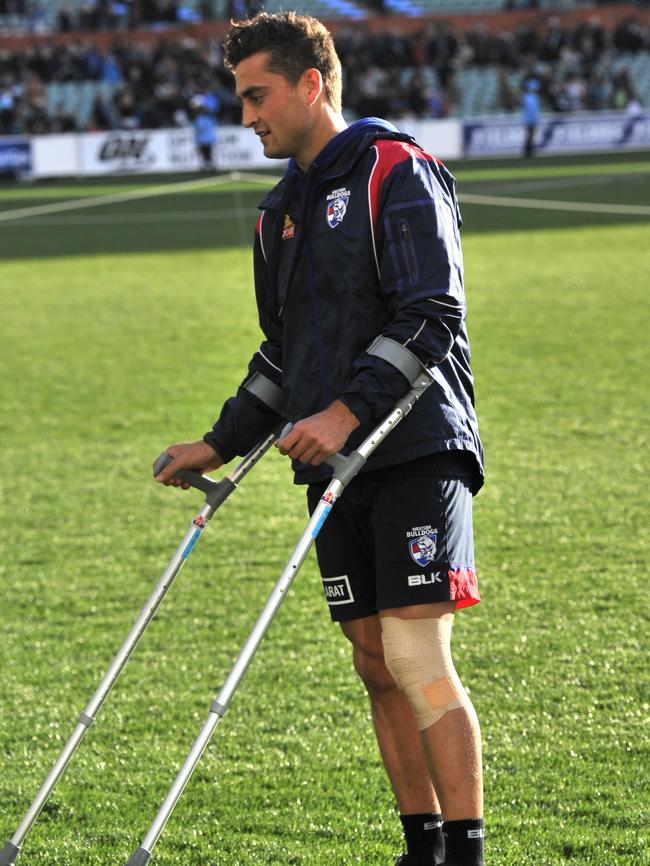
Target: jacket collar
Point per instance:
(337, 157)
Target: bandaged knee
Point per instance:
(417, 652)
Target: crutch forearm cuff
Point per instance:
(267, 391)
(398, 356)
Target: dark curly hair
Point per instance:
(294, 43)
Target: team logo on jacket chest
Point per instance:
(337, 204)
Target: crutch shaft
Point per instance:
(181, 780)
(108, 680)
(220, 705)
(48, 785)
(217, 494)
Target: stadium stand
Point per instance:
(441, 67)
(458, 7)
(48, 16)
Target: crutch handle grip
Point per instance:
(216, 492)
(194, 479)
(345, 467)
(285, 430)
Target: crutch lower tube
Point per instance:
(216, 494)
(345, 469)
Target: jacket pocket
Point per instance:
(408, 250)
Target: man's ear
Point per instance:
(313, 83)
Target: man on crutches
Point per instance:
(358, 278)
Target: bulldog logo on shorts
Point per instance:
(337, 204)
(423, 547)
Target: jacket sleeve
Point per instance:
(416, 238)
(244, 419)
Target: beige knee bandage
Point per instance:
(417, 652)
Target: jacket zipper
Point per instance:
(407, 249)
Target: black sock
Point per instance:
(424, 841)
(464, 842)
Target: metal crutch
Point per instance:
(345, 469)
(216, 494)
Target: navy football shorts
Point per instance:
(396, 537)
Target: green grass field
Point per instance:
(124, 326)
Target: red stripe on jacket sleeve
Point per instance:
(389, 154)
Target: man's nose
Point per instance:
(249, 116)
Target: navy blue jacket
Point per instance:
(366, 242)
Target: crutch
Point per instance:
(216, 494)
(345, 469)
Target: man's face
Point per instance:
(277, 111)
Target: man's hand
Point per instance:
(314, 439)
(192, 455)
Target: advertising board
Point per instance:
(574, 133)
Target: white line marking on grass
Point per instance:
(116, 198)
(140, 218)
(527, 185)
(236, 176)
(546, 204)
(252, 177)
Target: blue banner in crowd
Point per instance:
(15, 156)
(578, 133)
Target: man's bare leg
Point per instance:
(452, 745)
(397, 735)
(434, 770)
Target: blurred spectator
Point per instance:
(119, 15)
(61, 120)
(624, 93)
(630, 36)
(572, 93)
(596, 91)
(36, 22)
(126, 114)
(373, 87)
(65, 21)
(111, 70)
(101, 116)
(205, 131)
(417, 94)
(531, 113)
(8, 105)
(508, 96)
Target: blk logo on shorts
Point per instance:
(337, 590)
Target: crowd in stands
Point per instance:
(99, 15)
(157, 84)
(390, 75)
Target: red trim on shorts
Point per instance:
(463, 587)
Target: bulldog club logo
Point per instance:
(423, 544)
(337, 205)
